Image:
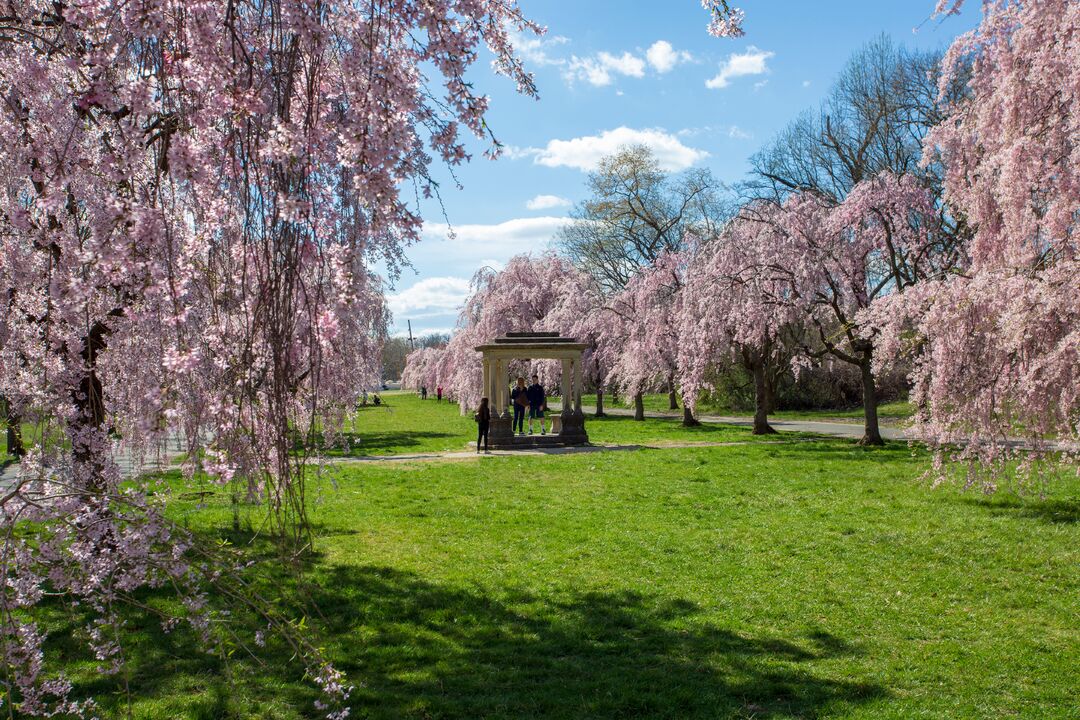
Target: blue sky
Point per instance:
(611, 72)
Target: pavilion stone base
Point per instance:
(497, 357)
(501, 437)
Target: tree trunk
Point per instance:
(761, 401)
(15, 446)
(600, 402)
(639, 406)
(673, 400)
(86, 428)
(688, 419)
(871, 433)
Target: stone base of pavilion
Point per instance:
(571, 432)
(533, 346)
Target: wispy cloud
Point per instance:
(738, 133)
(430, 297)
(546, 202)
(751, 62)
(599, 69)
(585, 153)
(536, 51)
(663, 57)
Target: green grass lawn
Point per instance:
(891, 412)
(796, 580)
(406, 425)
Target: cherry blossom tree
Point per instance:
(881, 240)
(532, 293)
(726, 21)
(736, 307)
(997, 346)
(422, 368)
(193, 195)
(640, 340)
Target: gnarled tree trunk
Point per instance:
(871, 431)
(600, 401)
(761, 400)
(639, 406)
(688, 419)
(673, 400)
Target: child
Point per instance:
(483, 418)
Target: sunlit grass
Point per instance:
(792, 580)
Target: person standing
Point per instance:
(537, 404)
(483, 421)
(423, 392)
(519, 396)
(438, 393)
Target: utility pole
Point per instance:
(411, 348)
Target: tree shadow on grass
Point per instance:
(425, 650)
(1066, 511)
(359, 444)
(417, 649)
(824, 449)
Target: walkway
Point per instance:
(818, 427)
(454, 455)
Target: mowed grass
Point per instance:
(405, 425)
(807, 579)
(891, 413)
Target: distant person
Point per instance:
(376, 399)
(483, 420)
(438, 394)
(537, 404)
(520, 397)
(423, 392)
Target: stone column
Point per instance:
(496, 385)
(577, 385)
(567, 379)
(486, 391)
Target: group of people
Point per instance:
(438, 393)
(533, 398)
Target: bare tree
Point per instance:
(872, 122)
(636, 211)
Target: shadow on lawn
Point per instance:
(418, 649)
(377, 443)
(423, 650)
(1051, 511)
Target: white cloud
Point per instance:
(546, 202)
(534, 50)
(738, 133)
(806, 83)
(751, 62)
(663, 57)
(478, 243)
(598, 70)
(429, 297)
(584, 153)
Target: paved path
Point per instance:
(130, 465)
(835, 429)
(453, 455)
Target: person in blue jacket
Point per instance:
(519, 398)
(537, 404)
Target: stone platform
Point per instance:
(572, 432)
(497, 356)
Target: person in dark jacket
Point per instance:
(483, 420)
(537, 404)
(519, 397)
